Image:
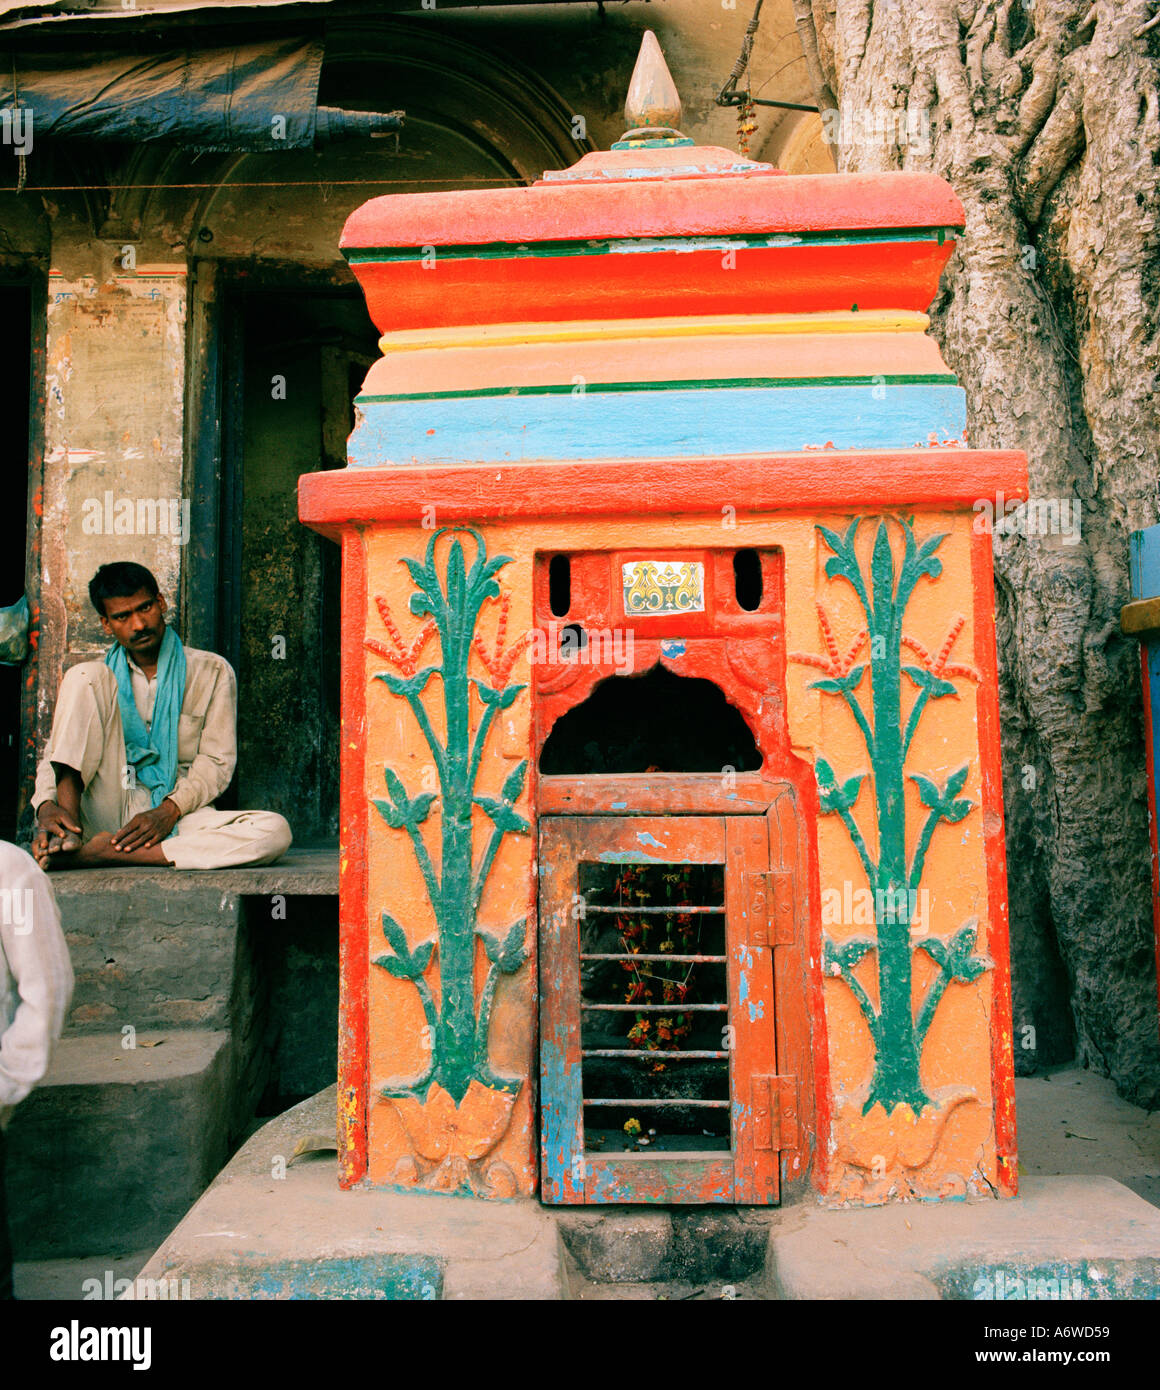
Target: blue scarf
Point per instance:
(153, 753)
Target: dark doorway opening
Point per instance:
(294, 361)
(15, 386)
(655, 722)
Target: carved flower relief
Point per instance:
(455, 1136)
(892, 1153)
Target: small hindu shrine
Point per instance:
(672, 862)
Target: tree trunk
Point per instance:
(1043, 117)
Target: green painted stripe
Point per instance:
(724, 383)
(503, 250)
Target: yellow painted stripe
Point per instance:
(587, 330)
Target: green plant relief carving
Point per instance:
(456, 1024)
(884, 593)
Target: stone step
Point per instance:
(154, 948)
(688, 1247)
(148, 956)
(109, 1152)
(1064, 1238)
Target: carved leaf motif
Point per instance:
(835, 685)
(501, 699)
(407, 685)
(926, 680)
(835, 797)
(404, 963)
(505, 816)
(438, 1128)
(945, 802)
(956, 957)
(846, 954)
(510, 953)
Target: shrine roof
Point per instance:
(610, 204)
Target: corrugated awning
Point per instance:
(256, 97)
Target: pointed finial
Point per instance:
(653, 104)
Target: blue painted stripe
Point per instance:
(654, 424)
(1145, 563)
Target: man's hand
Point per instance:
(59, 831)
(148, 828)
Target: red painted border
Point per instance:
(353, 1049)
(817, 1099)
(829, 479)
(405, 295)
(1150, 778)
(998, 944)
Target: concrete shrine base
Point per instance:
(257, 1235)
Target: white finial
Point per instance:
(653, 100)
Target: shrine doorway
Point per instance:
(673, 910)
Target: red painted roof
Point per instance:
(753, 204)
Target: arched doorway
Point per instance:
(675, 1057)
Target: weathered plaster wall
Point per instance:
(115, 377)
(115, 414)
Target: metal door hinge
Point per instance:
(771, 908)
(774, 1103)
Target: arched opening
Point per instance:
(654, 722)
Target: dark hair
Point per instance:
(121, 579)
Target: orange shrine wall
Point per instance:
(955, 1136)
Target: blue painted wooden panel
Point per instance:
(645, 424)
(1145, 563)
(1144, 557)
(1145, 581)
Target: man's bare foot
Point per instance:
(47, 850)
(98, 850)
(99, 853)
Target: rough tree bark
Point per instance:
(1043, 116)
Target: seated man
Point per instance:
(141, 745)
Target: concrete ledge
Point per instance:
(111, 1149)
(256, 1234)
(1089, 1236)
(311, 870)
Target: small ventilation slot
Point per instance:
(560, 585)
(747, 579)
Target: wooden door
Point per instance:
(657, 1028)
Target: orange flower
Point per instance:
(453, 1135)
(834, 664)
